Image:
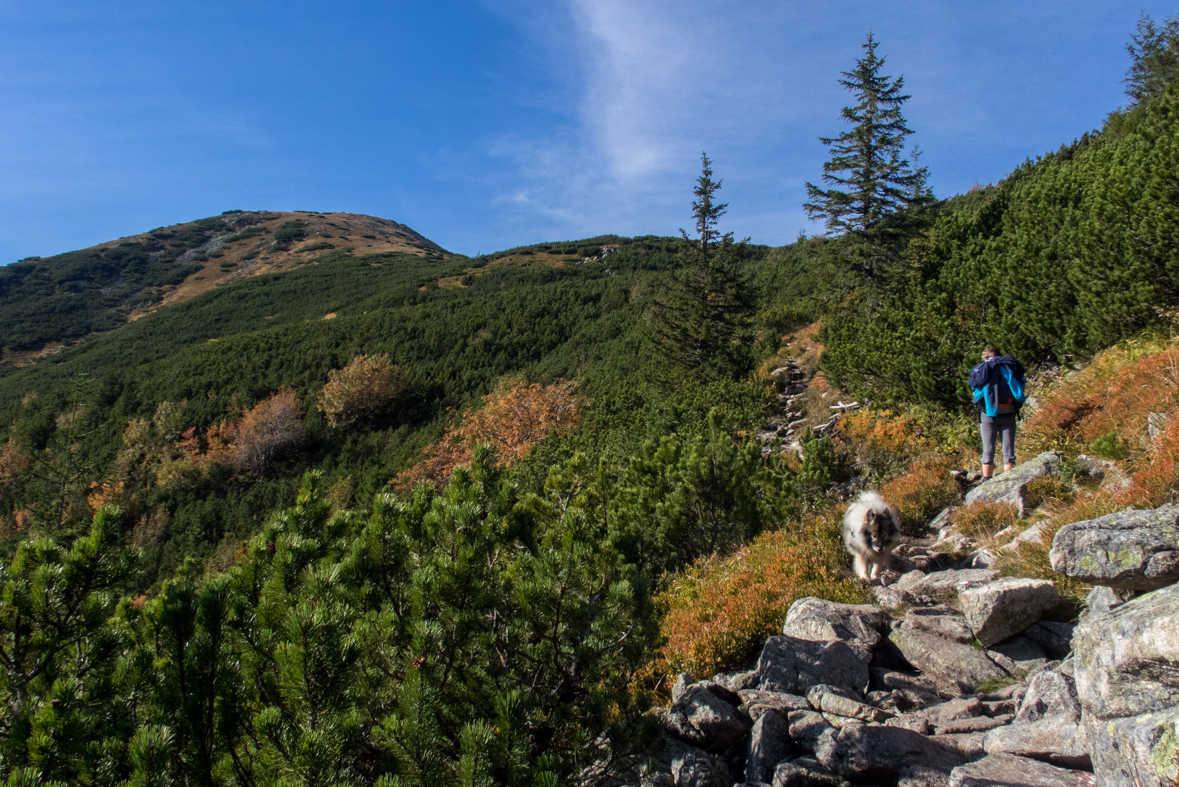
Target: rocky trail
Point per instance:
(958, 676)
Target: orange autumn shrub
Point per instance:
(882, 442)
(921, 493)
(12, 464)
(719, 612)
(514, 417)
(1156, 475)
(250, 444)
(1116, 394)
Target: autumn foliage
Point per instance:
(360, 389)
(250, 444)
(720, 611)
(926, 489)
(514, 417)
(12, 464)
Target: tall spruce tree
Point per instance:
(702, 324)
(870, 181)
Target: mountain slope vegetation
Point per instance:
(395, 516)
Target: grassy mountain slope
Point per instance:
(51, 301)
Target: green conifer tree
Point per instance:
(869, 179)
(701, 326)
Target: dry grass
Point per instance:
(983, 520)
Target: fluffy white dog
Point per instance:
(871, 531)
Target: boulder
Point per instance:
(721, 692)
(1005, 770)
(1127, 660)
(977, 724)
(869, 754)
(682, 682)
(757, 702)
(831, 701)
(691, 767)
(1131, 550)
(820, 620)
(1137, 750)
(737, 681)
(946, 585)
(805, 772)
(941, 620)
(917, 690)
(892, 599)
(769, 744)
(1011, 486)
(1005, 607)
(806, 728)
(1035, 534)
(1052, 740)
(700, 718)
(968, 744)
(953, 666)
(1102, 599)
(1019, 655)
(1047, 726)
(793, 665)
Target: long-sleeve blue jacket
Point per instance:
(985, 377)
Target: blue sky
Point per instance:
(487, 125)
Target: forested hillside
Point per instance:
(51, 301)
(382, 514)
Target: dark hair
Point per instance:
(990, 351)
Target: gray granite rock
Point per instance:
(953, 666)
(805, 772)
(918, 691)
(699, 718)
(1019, 655)
(1005, 770)
(832, 701)
(794, 665)
(682, 682)
(819, 620)
(941, 620)
(968, 744)
(737, 681)
(946, 585)
(892, 599)
(691, 767)
(756, 702)
(1047, 726)
(1052, 740)
(1005, 607)
(1127, 660)
(1136, 750)
(1135, 550)
(769, 743)
(1011, 486)
(721, 692)
(868, 754)
(807, 727)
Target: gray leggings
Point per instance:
(1003, 425)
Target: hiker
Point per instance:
(998, 393)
